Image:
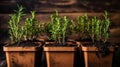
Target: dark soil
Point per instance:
(26, 43)
(69, 44)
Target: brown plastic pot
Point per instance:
(92, 60)
(60, 56)
(23, 56)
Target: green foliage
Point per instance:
(100, 28)
(58, 28)
(15, 30)
(82, 26)
(106, 26)
(28, 31)
(95, 28)
(31, 27)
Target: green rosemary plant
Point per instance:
(82, 26)
(100, 34)
(96, 29)
(15, 31)
(106, 26)
(58, 28)
(28, 31)
(100, 28)
(93, 27)
(31, 28)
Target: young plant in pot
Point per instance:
(59, 53)
(23, 51)
(98, 49)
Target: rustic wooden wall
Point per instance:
(7, 6)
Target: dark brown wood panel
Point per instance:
(46, 6)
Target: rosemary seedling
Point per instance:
(28, 31)
(15, 31)
(58, 28)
